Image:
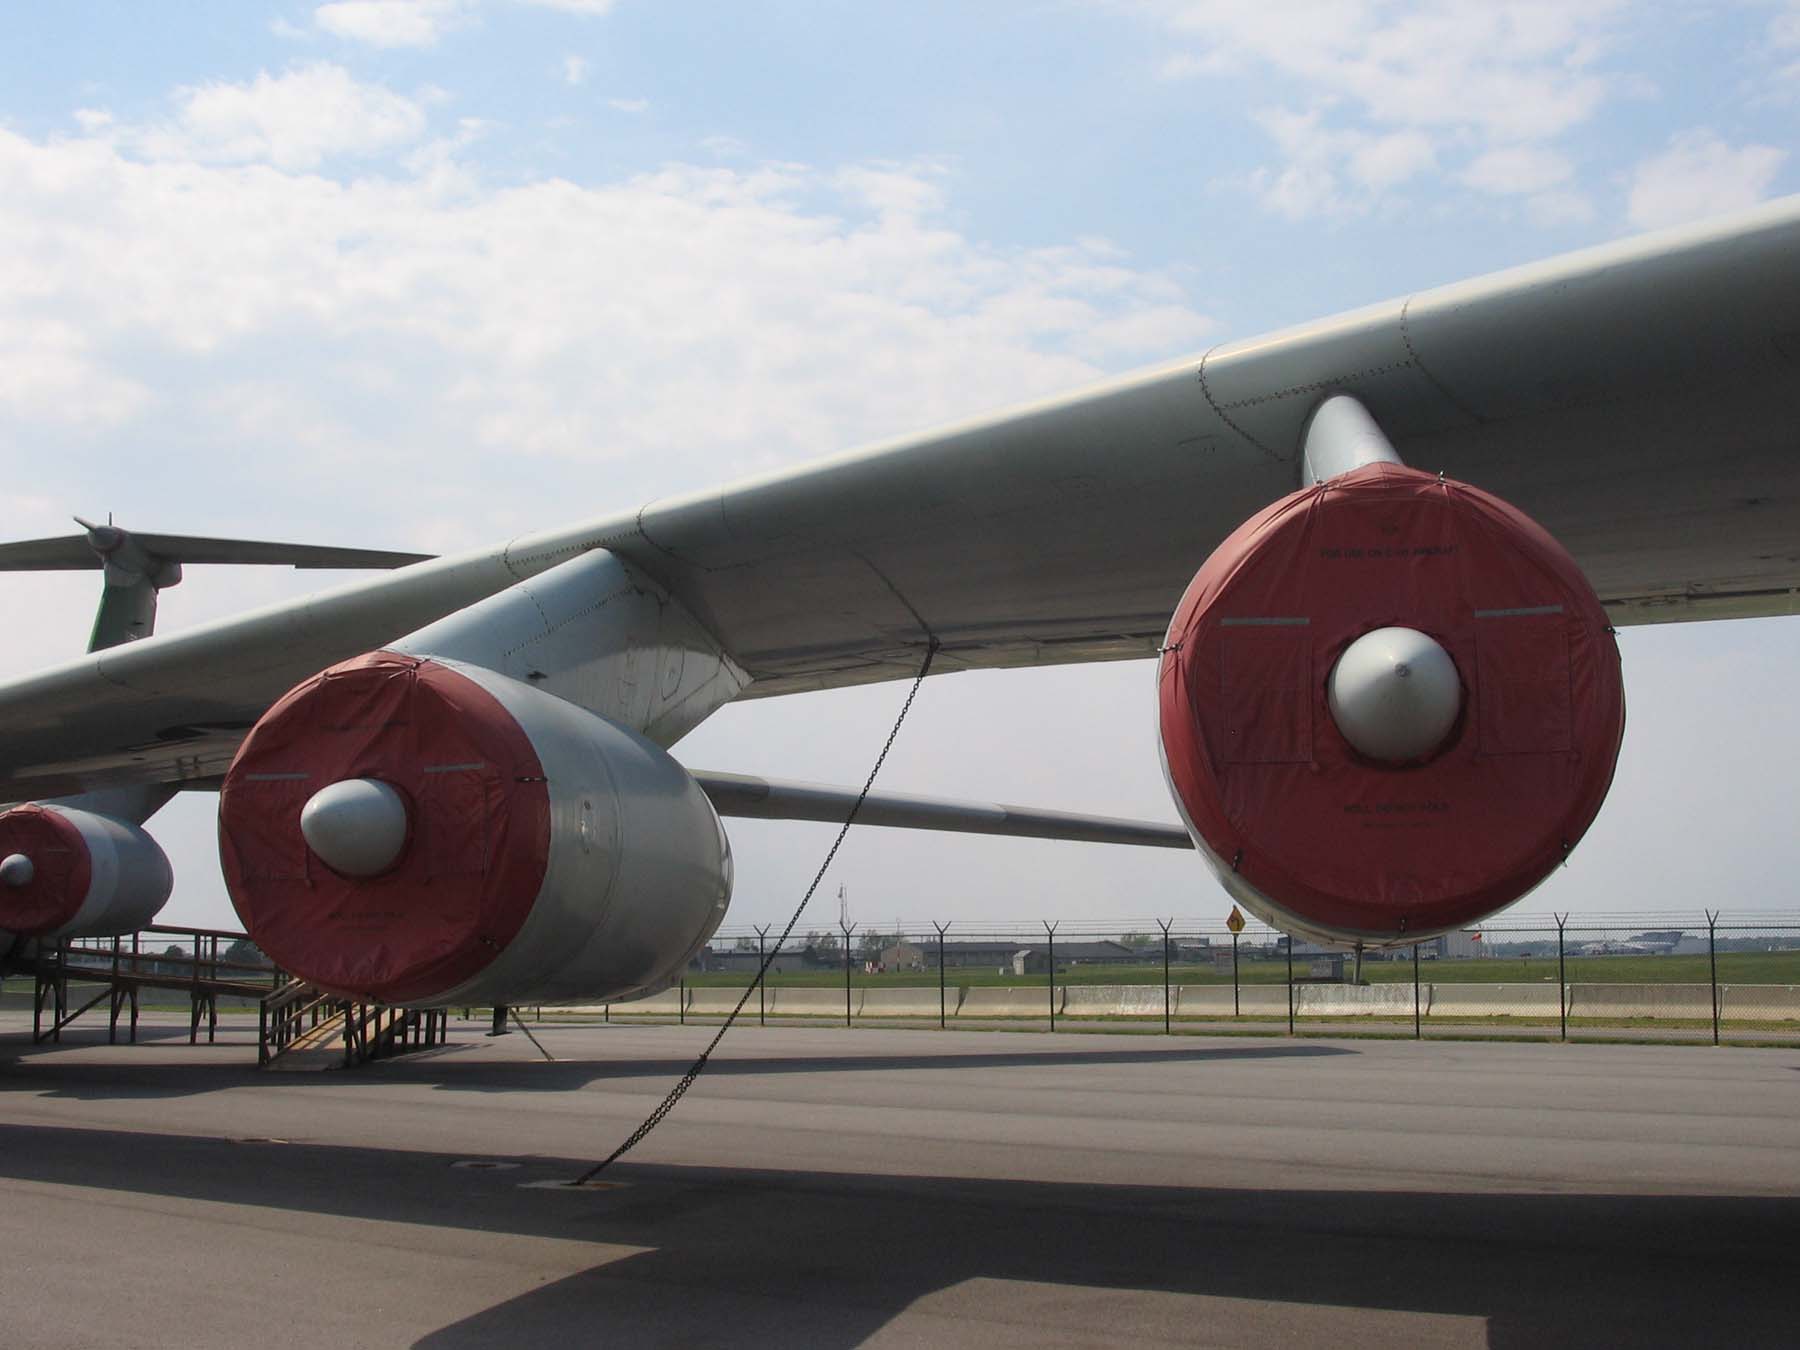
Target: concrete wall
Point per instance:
(1349, 1000)
(1205, 1000)
(1493, 1000)
(992, 1001)
(1214, 1000)
(1760, 1002)
(814, 1002)
(1115, 1000)
(1640, 1000)
(718, 1002)
(907, 1002)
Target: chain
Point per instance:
(677, 1092)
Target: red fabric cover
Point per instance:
(477, 845)
(1365, 849)
(63, 870)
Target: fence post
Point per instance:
(1165, 927)
(942, 928)
(1050, 929)
(1562, 983)
(848, 928)
(681, 1001)
(1290, 959)
(1418, 1025)
(1234, 975)
(1712, 965)
(762, 979)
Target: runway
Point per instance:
(894, 1188)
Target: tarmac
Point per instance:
(832, 1187)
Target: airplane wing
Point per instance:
(1637, 399)
(738, 794)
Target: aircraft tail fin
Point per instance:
(137, 566)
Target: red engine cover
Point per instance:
(1301, 827)
(64, 870)
(479, 817)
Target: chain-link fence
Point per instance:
(1705, 976)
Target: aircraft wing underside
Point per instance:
(1637, 399)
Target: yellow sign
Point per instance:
(1234, 921)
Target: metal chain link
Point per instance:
(676, 1093)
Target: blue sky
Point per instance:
(426, 272)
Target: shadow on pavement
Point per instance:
(739, 1256)
(41, 1070)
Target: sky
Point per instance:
(422, 274)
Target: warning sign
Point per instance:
(1234, 921)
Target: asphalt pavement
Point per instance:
(899, 1187)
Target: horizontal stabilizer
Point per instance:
(735, 794)
(78, 552)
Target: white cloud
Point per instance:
(1700, 175)
(1517, 170)
(1332, 171)
(424, 334)
(632, 106)
(295, 120)
(1159, 329)
(574, 69)
(1784, 27)
(392, 23)
(418, 23)
(1560, 206)
(1780, 50)
(51, 373)
(1384, 161)
(1386, 90)
(1535, 174)
(895, 190)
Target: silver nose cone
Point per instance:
(16, 870)
(1395, 695)
(357, 827)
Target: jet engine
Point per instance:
(407, 830)
(1390, 704)
(67, 873)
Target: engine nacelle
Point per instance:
(413, 831)
(1390, 705)
(68, 873)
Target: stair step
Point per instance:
(322, 1046)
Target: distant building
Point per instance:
(1032, 958)
(1000, 956)
(1457, 946)
(727, 959)
(1037, 959)
(902, 956)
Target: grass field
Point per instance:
(1734, 968)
